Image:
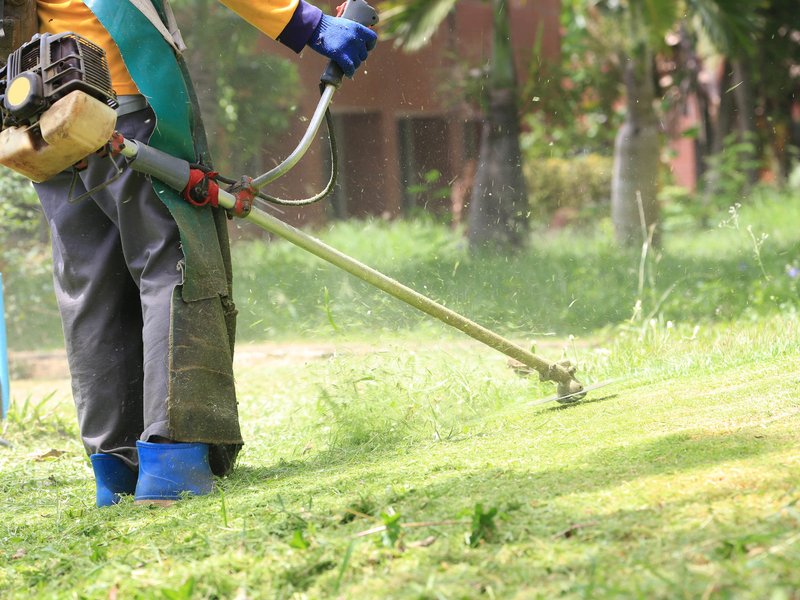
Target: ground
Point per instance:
(427, 470)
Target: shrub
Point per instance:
(31, 313)
(572, 186)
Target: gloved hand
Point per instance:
(343, 41)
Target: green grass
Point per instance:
(571, 282)
(406, 461)
(680, 480)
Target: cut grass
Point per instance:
(681, 480)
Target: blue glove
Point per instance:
(344, 41)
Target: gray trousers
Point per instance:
(116, 261)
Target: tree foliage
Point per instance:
(246, 94)
(638, 30)
(20, 214)
(413, 23)
(570, 106)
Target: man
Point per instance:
(143, 280)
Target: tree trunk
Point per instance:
(725, 112)
(498, 212)
(694, 88)
(634, 184)
(746, 107)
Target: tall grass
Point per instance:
(567, 282)
(574, 281)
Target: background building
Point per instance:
(402, 116)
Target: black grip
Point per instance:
(332, 75)
(360, 12)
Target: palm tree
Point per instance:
(727, 23)
(634, 183)
(498, 207)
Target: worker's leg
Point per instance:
(150, 244)
(101, 317)
(117, 260)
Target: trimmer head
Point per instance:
(569, 392)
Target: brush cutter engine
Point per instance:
(57, 104)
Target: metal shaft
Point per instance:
(549, 371)
(298, 153)
(148, 160)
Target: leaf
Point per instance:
(328, 311)
(185, 592)
(345, 561)
(691, 132)
(730, 24)
(483, 526)
(391, 535)
(52, 453)
(298, 541)
(432, 176)
(412, 24)
(423, 543)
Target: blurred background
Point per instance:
(548, 167)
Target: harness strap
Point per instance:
(130, 103)
(169, 31)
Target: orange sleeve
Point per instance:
(58, 16)
(268, 16)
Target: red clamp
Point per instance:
(245, 194)
(202, 188)
(116, 144)
(113, 147)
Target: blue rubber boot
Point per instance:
(113, 478)
(167, 472)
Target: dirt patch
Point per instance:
(52, 365)
(38, 365)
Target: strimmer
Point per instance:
(200, 187)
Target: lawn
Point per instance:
(414, 463)
(427, 470)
